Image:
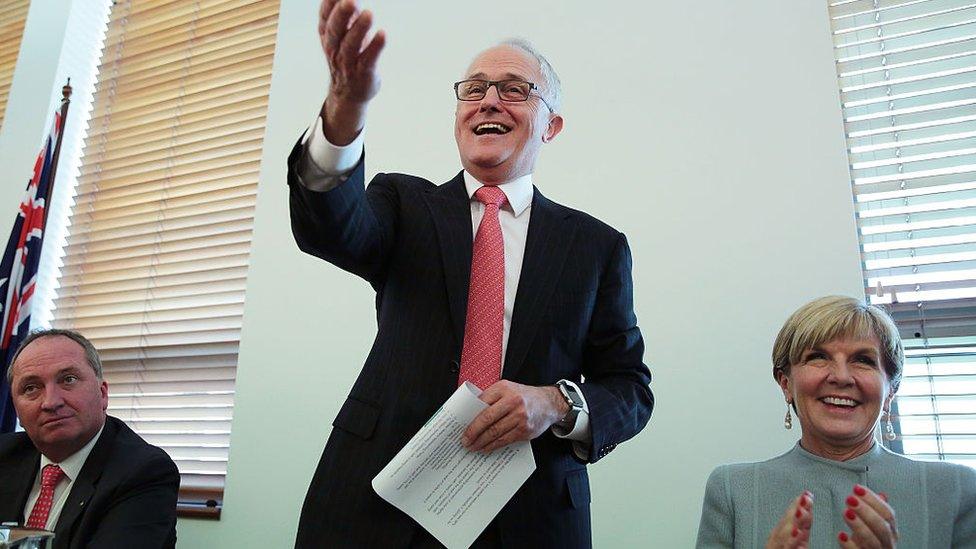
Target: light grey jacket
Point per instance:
(934, 502)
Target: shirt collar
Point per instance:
(72, 464)
(859, 464)
(518, 191)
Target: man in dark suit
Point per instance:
(74, 470)
(481, 279)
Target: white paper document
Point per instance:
(452, 492)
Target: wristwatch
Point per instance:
(575, 401)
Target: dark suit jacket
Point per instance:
(124, 496)
(573, 317)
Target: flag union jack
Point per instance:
(18, 270)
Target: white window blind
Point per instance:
(907, 74)
(156, 258)
(13, 15)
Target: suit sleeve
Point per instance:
(143, 509)
(616, 387)
(716, 529)
(348, 226)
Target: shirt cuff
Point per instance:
(580, 433)
(324, 165)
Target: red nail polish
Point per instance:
(883, 496)
(851, 501)
(795, 532)
(799, 513)
(850, 514)
(859, 490)
(803, 501)
(842, 537)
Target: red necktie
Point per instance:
(481, 354)
(50, 476)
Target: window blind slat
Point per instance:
(149, 273)
(120, 230)
(99, 137)
(201, 277)
(169, 67)
(163, 292)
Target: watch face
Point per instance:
(570, 393)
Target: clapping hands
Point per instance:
(868, 515)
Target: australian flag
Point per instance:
(18, 271)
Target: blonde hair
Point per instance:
(828, 318)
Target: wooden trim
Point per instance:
(195, 511)
(203, 503)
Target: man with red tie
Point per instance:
(74, 470)
(480, 279)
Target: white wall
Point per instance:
(34, 94)
(711, 135)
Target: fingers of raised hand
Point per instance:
(335, 28)
(325, 8)
(369, 55)
(352, 42)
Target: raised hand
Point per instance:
(515, 412)
(354, 81)
(871, 519)
(793, 529)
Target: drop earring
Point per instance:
(889, 428)
(788, 420)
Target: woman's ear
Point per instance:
(785, 385)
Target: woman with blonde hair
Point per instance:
(839, 363)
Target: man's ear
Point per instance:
(555, 126)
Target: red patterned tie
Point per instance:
(481, 355)
(50, 477)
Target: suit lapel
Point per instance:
(84, 486)
(21, 468)
(451, 211)
(551, 232)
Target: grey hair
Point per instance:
(553, 90)
(91, 355)
(827, 318)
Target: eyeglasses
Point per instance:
(511, 91)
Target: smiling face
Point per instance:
(499, 141)
(839, 389)
(60, 401)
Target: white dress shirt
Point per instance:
(71, 466)
(326, 166)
